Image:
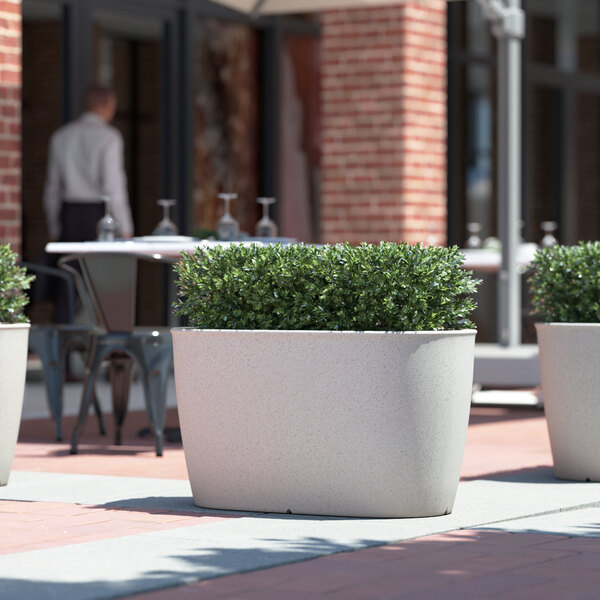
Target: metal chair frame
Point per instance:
(113, 337)
(52, 342)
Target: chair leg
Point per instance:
(120, 371)
(99, 413)
(54, 371)
(157, 358)
(46, 345)
(88, 393)
(83, 345)
(155, 427)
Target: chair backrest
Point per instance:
(60, 273)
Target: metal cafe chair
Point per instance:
(106, 287)
(52, 342)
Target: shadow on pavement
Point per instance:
(542, 474)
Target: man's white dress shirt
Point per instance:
(85, 162)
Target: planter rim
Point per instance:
(327, 332)
(15, 325)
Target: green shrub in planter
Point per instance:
(565, 283)
(386, 287)
(14, 280)
(565, 290)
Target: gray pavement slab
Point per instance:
(90, 489)
(580, 522)
(136, 563)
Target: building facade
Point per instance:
(340, 115)
(366, 124)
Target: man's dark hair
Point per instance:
(97, 96)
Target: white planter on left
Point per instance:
(13, 368)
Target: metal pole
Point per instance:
(508, 25)
(509, 185)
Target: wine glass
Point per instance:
(166, 226)
(474, 240)
(265, 227)
(548, 227)
(227, 227)
(107, 225)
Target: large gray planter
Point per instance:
(569, 355)
(13, 368)
(365, 424)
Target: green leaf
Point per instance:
(14, 280)
(564, 283)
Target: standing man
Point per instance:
(85, 163)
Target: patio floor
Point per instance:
(118, 522)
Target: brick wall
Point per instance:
(384, 124)
(10, 123)
(40, 117)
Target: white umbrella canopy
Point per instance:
(266, 7)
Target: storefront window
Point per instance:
(478, 177)
(561, 121)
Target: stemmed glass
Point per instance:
(548, 227)
(166, 226)
(227, 227)
(474, 239)
(107, 225)
(265, 227)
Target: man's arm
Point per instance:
(114, 183)
(52, 193)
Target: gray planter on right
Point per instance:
(569, 354)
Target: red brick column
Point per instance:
(384, 124)
(10, 123)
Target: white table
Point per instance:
(140, 247)
(489, 261)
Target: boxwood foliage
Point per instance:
(14, 280)
(565, 283)
(386, 287)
